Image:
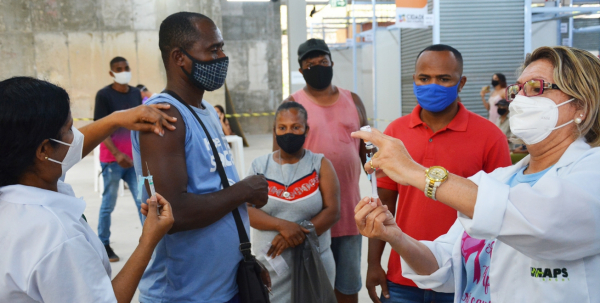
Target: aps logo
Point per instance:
(550, 273)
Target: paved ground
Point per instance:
(126, 228)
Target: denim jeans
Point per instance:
(112, 173)
(409, 294)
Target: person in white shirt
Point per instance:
(50, 254)
(525, 233)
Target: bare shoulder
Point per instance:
(360, 107)
(175, 135)
(288, 99)
(357, 100)
(326, 166)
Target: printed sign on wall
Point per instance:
(411, 13)
(337, 3)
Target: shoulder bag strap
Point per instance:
(244, 241)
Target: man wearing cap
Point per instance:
(333, 113)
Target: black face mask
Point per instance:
(495, 83)
(209, 75)
(502, 111)
(291, 143)
(318, 76)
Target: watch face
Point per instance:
(437, 173)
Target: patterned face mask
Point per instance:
(207, 75)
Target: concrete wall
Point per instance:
(70, 42)
(252, 33)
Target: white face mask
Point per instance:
(74, 154)
(532, 119)
(122, 77)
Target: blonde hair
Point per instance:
(577, 74)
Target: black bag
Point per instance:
(309, 281)
(250, 285)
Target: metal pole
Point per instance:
(527, 32)
(558, 27)
(571, 26)
(400, 68)
(374, 30)
(436, 21)
(354, 67)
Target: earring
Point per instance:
(578, 120)
(46, 158)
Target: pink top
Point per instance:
(330, 128)
(493, 112)
(122, 140)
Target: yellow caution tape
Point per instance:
(241, 115)
(250, 115)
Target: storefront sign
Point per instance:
(337, 3)
(411, 13)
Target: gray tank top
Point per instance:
(304, 200)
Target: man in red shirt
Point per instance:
(439, 131)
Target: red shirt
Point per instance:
(466, 146)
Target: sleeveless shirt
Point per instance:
(304, 203)
(198, 265)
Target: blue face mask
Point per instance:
(435, 98)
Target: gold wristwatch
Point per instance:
(434, 177)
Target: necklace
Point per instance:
(286, 194)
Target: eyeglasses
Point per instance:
(533, 87)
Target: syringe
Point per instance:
(150, 182)
(370, 148)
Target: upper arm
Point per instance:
(329, 185)
(388, 197)
(362, 117)
(360, 107)
(165, 158)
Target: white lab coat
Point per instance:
(49, 253)
(547, 236)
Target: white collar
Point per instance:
(573, 152)
(29, 195)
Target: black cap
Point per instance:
(312, 45)
(502, 102)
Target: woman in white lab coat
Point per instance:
(525, 233)
(49, 252)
